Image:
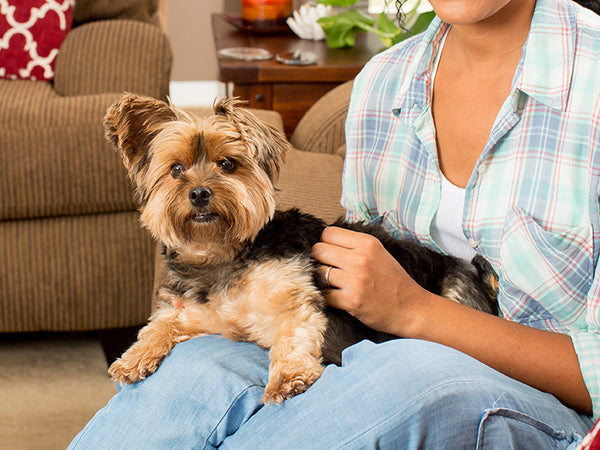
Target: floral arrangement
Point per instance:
(340, 29)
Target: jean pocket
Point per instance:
(509, 429)
(553, 268)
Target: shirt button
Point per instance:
(481, 168)
(473, 243)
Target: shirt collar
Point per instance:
(546, 66)
(416, 93)
(544, 71)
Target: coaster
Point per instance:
(245, 53)
(297, 58)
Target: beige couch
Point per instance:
(73, 255)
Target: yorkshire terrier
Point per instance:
(236, 266)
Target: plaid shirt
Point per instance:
(532, 201)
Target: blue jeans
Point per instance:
(399, 394)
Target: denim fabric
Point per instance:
(399, 394)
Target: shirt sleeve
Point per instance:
(587, 344)
(587, 347)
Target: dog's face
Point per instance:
(206, 183)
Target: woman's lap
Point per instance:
(402, 393)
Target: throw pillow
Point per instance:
(592, 440)
(31, 32)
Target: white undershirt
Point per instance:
(446, 228)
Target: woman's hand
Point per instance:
(368, 282)
(372, 286)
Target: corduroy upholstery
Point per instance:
(73, 254)
(321, 129)
(137, 10)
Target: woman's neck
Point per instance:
(492, 40)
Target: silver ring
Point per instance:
(327, 275)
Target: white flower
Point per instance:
(304, 21)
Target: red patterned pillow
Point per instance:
(592, 440)
(31, 32)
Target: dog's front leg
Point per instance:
(295, 357)
(181, 320)
(154, 342)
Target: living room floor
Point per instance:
(50, 386)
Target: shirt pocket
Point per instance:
(554, 269)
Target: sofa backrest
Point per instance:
(93, 10)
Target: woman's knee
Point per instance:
(409, 362)
(202, 392)
(424, 380)
(437, 394)
(213, 358)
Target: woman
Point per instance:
(481, 135)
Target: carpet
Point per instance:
(50, 386)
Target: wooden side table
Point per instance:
(288, 89)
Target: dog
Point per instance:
(238, 267)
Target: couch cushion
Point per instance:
(313, 183)
(75, 273)
(34, 30)
(114, 56)
(54, 156)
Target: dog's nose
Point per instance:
(200, 196)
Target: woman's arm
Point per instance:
(374, 288)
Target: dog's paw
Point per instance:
(128, 371)
(284, 385)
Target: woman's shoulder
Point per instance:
(587, 15)
(386, 64)
(404, 51)
(400, 62)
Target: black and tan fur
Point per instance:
(236, 266)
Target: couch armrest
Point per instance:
(114, 56)
(321, 129)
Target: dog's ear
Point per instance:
(269, 143)
(131, 124)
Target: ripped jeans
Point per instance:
(396, 395)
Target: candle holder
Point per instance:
(266, 15)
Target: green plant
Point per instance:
(341, 28)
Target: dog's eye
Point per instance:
(177, 170)
(228, 165)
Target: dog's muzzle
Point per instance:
(200, 196)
